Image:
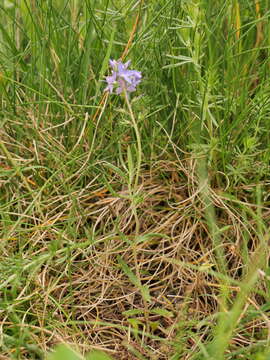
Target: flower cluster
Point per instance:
(121, 78)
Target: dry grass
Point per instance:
(78, 290)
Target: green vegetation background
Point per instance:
(201, 124)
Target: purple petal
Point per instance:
(131, 75)
(136, 74)
(131, 88)
(119, 90)
(121, 67)
(113, 63)
(136, 82)
(126, 76)
(109, 88)
(126, 65)
(111, 79)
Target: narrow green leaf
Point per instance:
(135, 281)
(162, 312)
(105, 62)
(132, 312)
(130, 165)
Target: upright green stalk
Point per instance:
(138, 139)
(138, 167)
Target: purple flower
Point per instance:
(121, 78)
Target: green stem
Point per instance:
(138, 138)
(138, 168)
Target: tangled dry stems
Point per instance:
(80, 293)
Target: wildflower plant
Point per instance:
(124, 81)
